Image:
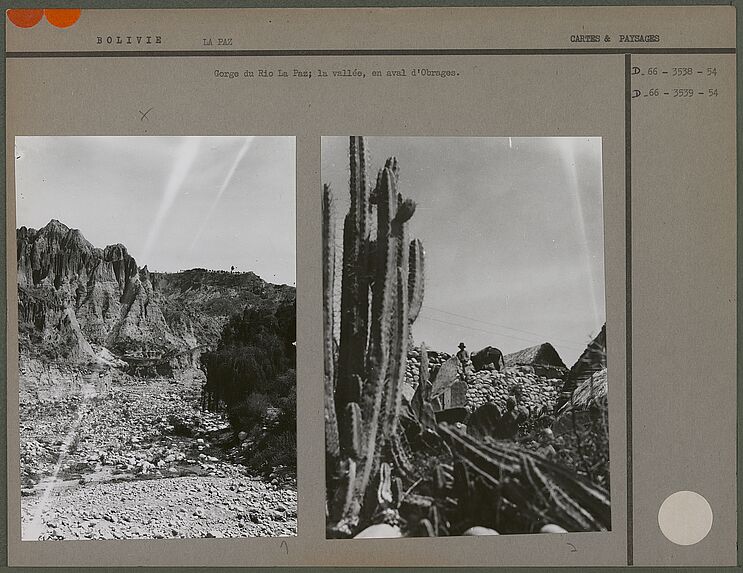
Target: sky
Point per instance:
(513, 234)
(175, 202)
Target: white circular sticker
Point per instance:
(685, 517)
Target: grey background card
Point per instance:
(669, 215)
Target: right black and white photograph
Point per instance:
(466, 388)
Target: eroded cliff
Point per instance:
(78, 303)
(74, 298)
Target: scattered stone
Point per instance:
(123, 469)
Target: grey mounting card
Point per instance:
(306, 287)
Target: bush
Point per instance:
(275, 450)
(250, 412)
(255, 350)
(277, 444)
(251, 376)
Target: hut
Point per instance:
(541, 359)
(591, 361)
(588, 402)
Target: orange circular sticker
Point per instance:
(62, 18)
(25, 18)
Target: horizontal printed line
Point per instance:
(436, 52)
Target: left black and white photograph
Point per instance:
(156, 337)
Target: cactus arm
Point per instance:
(424, 380)
(399, 342)
(328, 253)
(399, 325)
(384, 488)
(353, 433)
(361, 209)
(344, 393)
(400, 353)
(354, 294)
(344, 499)
(416, 279)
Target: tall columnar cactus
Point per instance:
(381, 295)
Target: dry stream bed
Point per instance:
(126, 458)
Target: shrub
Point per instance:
(250, 412)
(251, 377)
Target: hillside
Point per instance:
(199, 302)
(85, 305)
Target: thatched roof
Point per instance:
(539, 355)
(592, 360)
(593, 390)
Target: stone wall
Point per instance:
(492, 386)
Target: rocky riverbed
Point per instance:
(118, 457)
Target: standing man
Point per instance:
(463, 356)
(465, 364)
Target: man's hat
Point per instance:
(461, 345)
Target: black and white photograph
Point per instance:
(156, 337)
(466, 388)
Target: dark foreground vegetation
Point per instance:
(251, 378)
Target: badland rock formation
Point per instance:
(81, 304)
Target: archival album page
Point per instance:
(314, 286)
